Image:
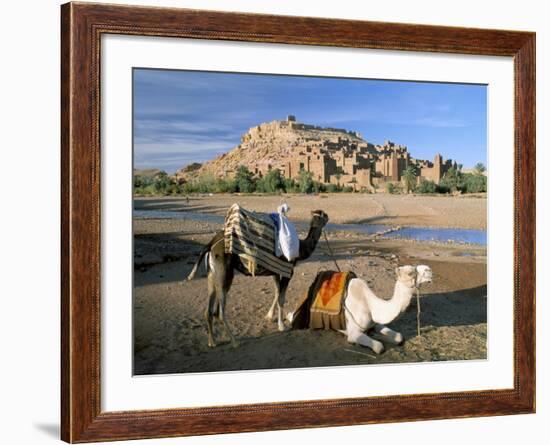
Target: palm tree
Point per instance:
(479, 168)
(409, 175)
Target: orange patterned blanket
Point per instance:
(329, 296)
(322, 305)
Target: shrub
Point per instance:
(224, 186)
(160, 184)
(305, 182)
(390, 188)
(243, 180)
(475, 183)
(452, 181)
(426, 187)
(290, 185)
(272, 182)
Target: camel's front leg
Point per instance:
(271, 313)
(392, 336)
(283, 286)
(363, 339)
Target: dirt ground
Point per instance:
(465, 212)
(169, 329)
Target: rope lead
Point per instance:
(418, 311)
(330, 251)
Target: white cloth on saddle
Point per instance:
(287, 242)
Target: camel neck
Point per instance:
(307, 245)
(385, 311)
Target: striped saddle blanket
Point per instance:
(251, 236)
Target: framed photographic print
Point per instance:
(274, 222)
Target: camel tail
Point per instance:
(204, 254)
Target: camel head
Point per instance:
(407, 275)
(423, 274)
(414, 276)
(318, 218)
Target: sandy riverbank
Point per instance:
(169, 329)
(466, 212)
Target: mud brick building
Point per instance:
(341, 157)
(331, 155)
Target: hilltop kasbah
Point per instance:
(331, 155)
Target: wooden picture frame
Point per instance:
(82, 26)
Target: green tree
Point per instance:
(452, 181)
(272, 182)
(244, 182)
(305, 181)
(479, 168)
(409, 177)
(290, 185)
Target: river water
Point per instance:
(460, 236)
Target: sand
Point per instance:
(466, 211)
(169, 328)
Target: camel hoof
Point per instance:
(235, 344)
(211, 344)
(399, 340)
(378, 348)
(281, 327)
(269, 317)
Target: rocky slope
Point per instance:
(268, 144)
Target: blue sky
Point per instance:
(191, 116)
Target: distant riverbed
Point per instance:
(461, 236)
(441, 211)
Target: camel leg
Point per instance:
(222, 277)
(363, 339)
(271, 313)
(234, 342)
(222, 289)
(283, 285)
(211, 310)
(392, 336)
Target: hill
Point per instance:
(330, 155)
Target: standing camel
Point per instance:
(221, 268)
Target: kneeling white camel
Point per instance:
(365, 311)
